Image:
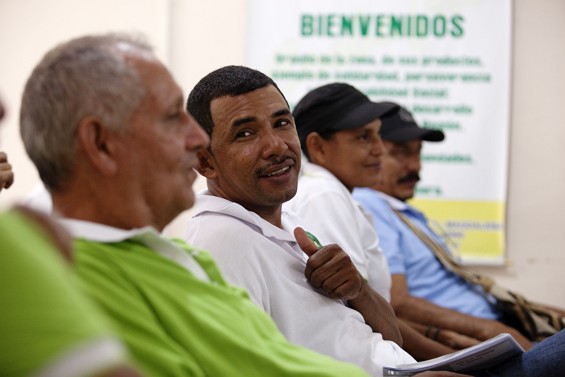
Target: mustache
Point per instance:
(280, 160)
(410, 177)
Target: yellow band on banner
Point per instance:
(474, 230)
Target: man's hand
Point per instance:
(455, 340)
(330, 269)
(424, 312)
(489, 329)
(6, 172)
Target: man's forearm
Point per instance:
(418, 345)
(378, 313)
(421, 311)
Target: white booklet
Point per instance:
(481, 356)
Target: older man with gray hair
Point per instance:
(104, 122)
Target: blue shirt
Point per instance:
(408, 255)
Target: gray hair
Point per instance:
(86, 76)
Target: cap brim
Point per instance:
(363, 114)
(404, 134)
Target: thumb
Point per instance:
(305, 242)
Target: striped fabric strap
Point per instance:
(445, 257)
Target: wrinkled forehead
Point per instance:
(259, 104)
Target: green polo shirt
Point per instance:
(46, 322)
(178, 324)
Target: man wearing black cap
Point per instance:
(422, 289)
(339, 129)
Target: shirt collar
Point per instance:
(102, 233)
(314, 170)
(393, 202)
(147, 236)
(400, 205)
(206, 202)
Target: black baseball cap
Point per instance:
(401, 127)
(335, 107)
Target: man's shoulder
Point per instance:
(220, 232)
(224, 213)
(101, 248)
(373, 201)
(366, 194)
(220, 223)
(98, 260)
(22, 233)
(314, 176)
(320, 185)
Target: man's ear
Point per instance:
(97, 143)
(317, 148)
(206, 165)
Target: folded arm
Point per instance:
(331, 270)
(424, 312)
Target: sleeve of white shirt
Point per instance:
(334, 218)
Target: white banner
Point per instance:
(446, 61)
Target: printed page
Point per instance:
(483, 355)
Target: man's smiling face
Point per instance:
(254, 156)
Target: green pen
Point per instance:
(314, 239)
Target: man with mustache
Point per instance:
(339, 128)
(316, 296)
(313, 292)
(422, 289)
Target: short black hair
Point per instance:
(231, 80)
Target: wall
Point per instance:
(536, 241)
(28, 28)
(204, 35)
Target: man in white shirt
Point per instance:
(251, 167)
(339, 128)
